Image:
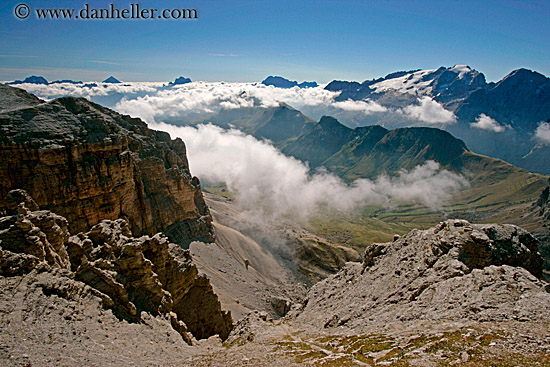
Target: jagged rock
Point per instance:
(543, 204)
(147, 274)
(28, 238)
(372, 252)
(130, 275)
(455, 270)
(16, 197)
(246, 329)
(281, 305)
(318, 258)
(88, 163)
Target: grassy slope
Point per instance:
(498, 192)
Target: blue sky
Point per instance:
(241, 40)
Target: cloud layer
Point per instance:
(430, 111)
(270, 184)
(367, 106)
(542, 133)
(89, 90)
(485, 122)
(198, 100)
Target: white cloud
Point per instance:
(367, 106)
(197, 98)
(485, 122)
(269, 184)
(56, 90)
(542, 133)
(430, 111)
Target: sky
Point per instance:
(247, 40)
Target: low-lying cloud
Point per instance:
(269, 184)
(193, 99)
(89, 90)
(366, 106)
(430, 111)
(199, 100)
(542, 133)
(485, 122)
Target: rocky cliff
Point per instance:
(88, 163)
(133, 277)
(455, 270)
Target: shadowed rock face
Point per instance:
(130, 275)
(455, 270)
(89, 163)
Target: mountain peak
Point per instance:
(179, 81)
(329, 122)
(523, 74)
(461, 68)
(111, 79)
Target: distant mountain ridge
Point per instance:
(280, 82)
(515, 106)
(443, 84)
(33, 79)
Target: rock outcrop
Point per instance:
(455, 270)
(318, 258)
(88, 163)
(542, 204)
(130, 275)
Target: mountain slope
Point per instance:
(403, 149)
(273, 123)
(521, 99)
(318, 141)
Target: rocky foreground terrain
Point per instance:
(110, 292)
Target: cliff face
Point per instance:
(88, 163)
(133, 277)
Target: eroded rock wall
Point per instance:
(130, 275)
(88, 163)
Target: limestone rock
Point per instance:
(28, 238)
(132, 276)
(281, 305)
(318, 258)
(542, 205)
(455, 270)
(88, 163)
(16, 197)
(147, 274)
